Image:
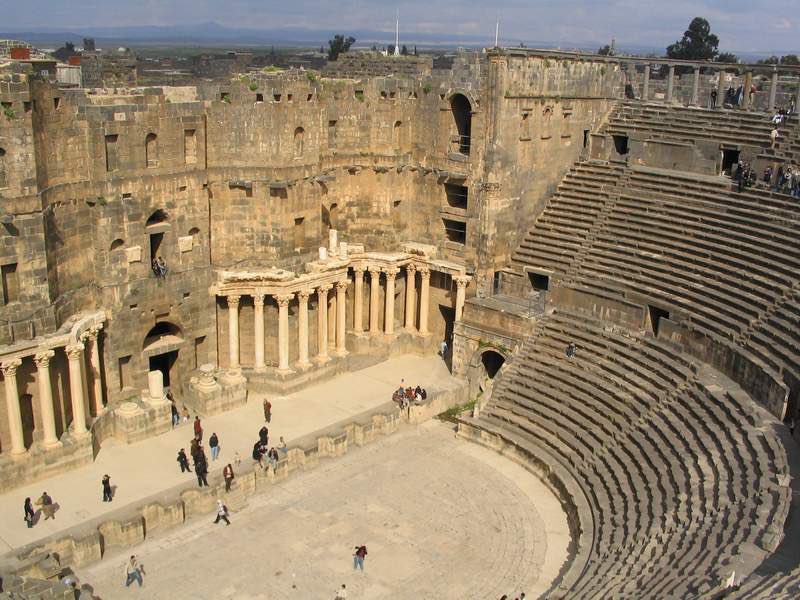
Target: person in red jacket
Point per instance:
(359, 556)
(198, 429)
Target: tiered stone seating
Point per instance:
(777, 586)
(682, 482)
(775, 339)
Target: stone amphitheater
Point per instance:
(314, 226)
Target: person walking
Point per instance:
(713, 98)
(46, 502)
(263, 435)
(227, 475)
(176, 417)
(29, 513)
(201, 470)
(133, 571)
(359, 556)
(267, 410)
(443, 348)
(198, 429)
(107, 492)
(222, 513)
(341, 593)
(213, 443)
(183, 461)
(272, 455)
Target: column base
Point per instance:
(261, 369)
(303, 366)
(285, 371)
(51, 445)
(340, 353)
(19, 454)
(321, 360)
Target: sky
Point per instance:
(744, 26)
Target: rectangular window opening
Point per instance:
(457, 195)
(124, 372)
(455, 231)
(10, 283)
(539, 281)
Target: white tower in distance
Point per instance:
(397, 34)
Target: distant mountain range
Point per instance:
(213, 34)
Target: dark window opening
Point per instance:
(492, 361)
(455, 231)
(621, 144)
(457, 195)
(117, 244)
(259, 97)
(189, 146)
(656, 314)
(164, 363)
(3, 177)
(124, 372)
(155, 245)
(10, 283)
(280, 192)
(538, 281)
(27, 106)
(730, 158)
(331, 134)
(585, 138)
(112, 159)
(299, 233)
(56, 103)
(462, 115)
(151, 150)
(276, 97)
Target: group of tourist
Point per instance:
(784, 179)
(744, 176)
(159, 266)
(262, 449)
(47, 506)
(405, 397)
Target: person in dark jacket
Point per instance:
(107, 491)
(359, 556)
(213, 443)
(30, 514)
(227, 475)
(183, 461)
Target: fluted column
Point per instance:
(358, 299)
(670, 83)
(721, 89)
(646, 84)
(374, 295)
(332, 322)
(233, 330)
(9, 369)
(302, 328)
(42, 361)
(75, 356)
(424, 291)
(748, 82)
(94, 362)
(283, 331)
(696, 87)
(322, 322)
(341, 317)
(411, 295)
(773, 90)
(388, 317)
(462, 282)
(258, 306)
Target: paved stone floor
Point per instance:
(146, 468)
(442, 518)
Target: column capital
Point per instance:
(303, 295)
(322, 289)
(391, 271)
(258, 299)
(74, 351)
(424, 270)
(42, 359)
(9, 367)
(342, 285)
(462, 280)
(284, 299)
(374, 271)
(233, 301)
(359, 268)
(411, 268)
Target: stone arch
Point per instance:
(299, 135)
(483, 368)
(117, 244)
(160, 349)
(151, 150)
(397, 135)
(157, 217)
(461, 110)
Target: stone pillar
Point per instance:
(721, 89)
(331, 321)
(9, 369)
(358, 299)
(411, 295)
(424, 290)
(670, 83)
(797, 98)
(773, 90)
(748, 82)
(94, 362)
(646, 84)
(283, 331)
(42, 361)
(302, 328)
(258, 328)
(75, 356)
(322, 322)
(233, 330)
(461, 294)
(341, 317)
(388, 316)
(374, 294)
(696, 87)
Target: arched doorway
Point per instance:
(462, 116)
(492, 361)
(161, 347)
(483, 368)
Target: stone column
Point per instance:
(283, 331)
(302, 328)
(9, 369)
(341, 317)
(75, 356)
(374, 294)
(696, 87)
(424, 290)
(411, 295)
(797, 98)
(670, 83)
(42, 361)
(721, 89)
(388, 317)
(773, 90)
(233, 330)
(258, 327)
(748, 82)
(322, 322)
(358, 299)
(332, 321)
(461, 294)
(646, 84)
(94, 362)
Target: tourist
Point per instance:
(258, 454)
(237, 460)
(273, 458)
(133, 571)
(443, 348)
(282, 446)
(341, 593)
(222, 513)
(773, 136)
(46, 502)
(176, 418)
(201, 470)
(183, 461)
(571, 350)
(30, 514)
(107, 491)
(185, 415)
(752, 97)
(198, 428)
(359, 556)
(267, 410)
(213, 443)
(227, 475)
(713, 103)
(263, 435)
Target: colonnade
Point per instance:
(78, 390)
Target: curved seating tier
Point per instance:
(682, 483)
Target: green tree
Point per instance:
(339, 44)
(772, 60)
(727, 57)
(404, 50)
(790, 59)
(605, 50)
(698, 43)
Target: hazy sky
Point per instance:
(741, 25)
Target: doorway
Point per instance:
(492, 361)
(656, 314)
(621, 144)
(164, 363)
(730, 158)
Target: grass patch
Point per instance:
(452, 413)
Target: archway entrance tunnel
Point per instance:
(492, 361)
(160, 347)
(462, 115)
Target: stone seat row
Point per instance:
(776, 340)
(715, 116)
(657, 453)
